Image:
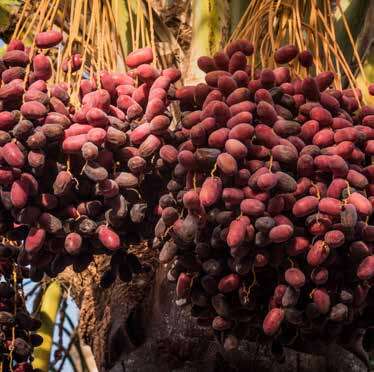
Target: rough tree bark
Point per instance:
(137, 327)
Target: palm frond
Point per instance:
(237, 9)
(50, 303)
(355, 12)
(210, 28)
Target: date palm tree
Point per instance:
(137, 326)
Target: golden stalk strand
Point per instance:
(309, 24)
(21, 21)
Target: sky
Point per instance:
(73, 313)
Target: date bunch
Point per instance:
(267, 221)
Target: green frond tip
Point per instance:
(355, 13)
(237, 9)
(50, 304)
(208, 17)
(121, 15)
(210, 26)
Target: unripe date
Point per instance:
(305, 206)
(348, 216)
(242, 132)
(90, 151)
(273, 321)
(221, 324)
(48, 39)
(229, 283)
(217, 138)
(310, 89)
(319, 275)
(13, 155)
(138, 57)
(334, 238)
(252, 207)
(266, 112)
(286, 54)
(35, 240)
(362, 204)
(232, 196)
(74, 144)
(281, 233)
(285, 154)
(33, 110)
(73, 243)
(322, 300)
(297, 245)
(227, 164)
(211, 191)
(62, 183)
(267, 181)
(318, 253)
(295, 278)
(357, 180)
(19, 193)
(365, 270)
(109, 238)
(149, 146)
(237, 232)
(336, 187)
(330, 206)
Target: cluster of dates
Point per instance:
(267, 221)
(78, 181)
(17, 327)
